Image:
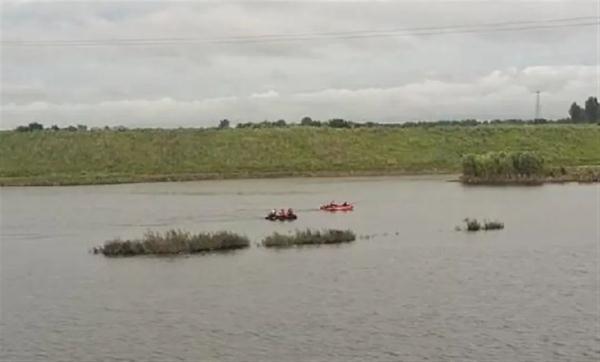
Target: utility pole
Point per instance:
(538, 107)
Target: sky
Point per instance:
(190, 64)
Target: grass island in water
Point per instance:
(309, 237)
(173, 242)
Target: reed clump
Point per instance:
(173, 242)
(475, 225)
(503, 168)
(309, 237)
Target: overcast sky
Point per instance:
(394, 78)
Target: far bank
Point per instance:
(104, 157)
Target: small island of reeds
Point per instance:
(309, 237)
(173, 242)
(475, 225)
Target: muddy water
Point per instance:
(415, 289)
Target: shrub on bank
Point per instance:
(309, 237)
(502, 166)
(173, 242)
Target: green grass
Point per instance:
(173, 242)
(48, 158)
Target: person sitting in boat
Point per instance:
(345, 203)
(281, 213)
(290, 212)
(273, 213)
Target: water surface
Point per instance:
(414, 290)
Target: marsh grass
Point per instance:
(475, 225)
(493, 225)
(309, 237)
(173, 242)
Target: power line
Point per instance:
(359, 32)
(422, 31)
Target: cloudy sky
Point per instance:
(172, 64)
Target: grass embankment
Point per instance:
(309, 237)
(97, 157)
(173, 242)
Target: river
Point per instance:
(411, 288)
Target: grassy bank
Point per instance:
(173, 242)
(69, 158)
(308, 237)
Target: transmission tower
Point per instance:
(538, 106)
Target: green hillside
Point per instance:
(46, 157)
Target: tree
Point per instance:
(306, 121)
(592, 109)
(339, 123)
(34, 126)
(224, 124)
(576, 112)
(280, 123)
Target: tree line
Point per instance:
(590, 113)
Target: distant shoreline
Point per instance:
(133, 179)
(450, 177)
(61, 158)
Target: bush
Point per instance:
(174, 242)
(502, 165)
(309, 237)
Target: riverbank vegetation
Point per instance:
(520, 168)
(503, 167)
(173, 242)
(308, 237)
(119, 156)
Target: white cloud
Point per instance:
(268, 94)
(499, 94)
(379, 79)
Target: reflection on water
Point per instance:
(414, 290)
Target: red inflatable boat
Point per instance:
(338, 207)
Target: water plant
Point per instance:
(475, 225)
(472, 224)
(493, 225)
(173, 242)
(309, 237)
(503, 167)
